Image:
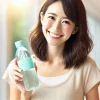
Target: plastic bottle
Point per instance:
(25, 62)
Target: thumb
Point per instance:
(15, 61)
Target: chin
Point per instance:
(54, 44)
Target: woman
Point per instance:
(61, 44)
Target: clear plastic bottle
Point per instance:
(25, 62)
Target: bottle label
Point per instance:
(26, 63)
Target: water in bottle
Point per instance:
(25, 62)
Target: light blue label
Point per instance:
(26, 63)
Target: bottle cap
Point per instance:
(19, 43)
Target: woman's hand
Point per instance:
(17, 77)
(15, 71)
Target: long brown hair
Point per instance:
(77, 47)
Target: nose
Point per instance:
(57, 26)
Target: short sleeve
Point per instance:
(91, 75)
(8, 77)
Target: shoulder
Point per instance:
(89, 67)
(89, 64)
(89, 61)
(91, 74)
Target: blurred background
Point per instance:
(17, 17)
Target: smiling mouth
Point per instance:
(55, 36)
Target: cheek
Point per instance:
(47, 24)
(67, 29)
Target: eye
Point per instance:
(66, 22)
(51, 17)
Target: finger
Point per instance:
(17, 79)
(16, 68)
(18, 74)
(15, 61)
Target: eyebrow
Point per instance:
(56, 15)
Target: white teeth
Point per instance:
(54, 35)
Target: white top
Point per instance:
(51, 81)
(76, 84)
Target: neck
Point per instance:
(55, 53)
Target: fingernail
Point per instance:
(21, 76)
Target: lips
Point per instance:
(54, 36)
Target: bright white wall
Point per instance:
(3, 49)
(94, 28)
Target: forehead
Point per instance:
(56, 8)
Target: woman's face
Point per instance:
(56, 27)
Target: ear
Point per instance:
(75, 30)
(41, 16)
